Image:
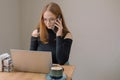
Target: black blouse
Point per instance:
(59, 47)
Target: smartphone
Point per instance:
(55, 29)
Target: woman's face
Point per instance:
(49, 19)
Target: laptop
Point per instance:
(31, 61)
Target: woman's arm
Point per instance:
(63, 47)
(34, 40)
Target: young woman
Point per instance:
(52, 34)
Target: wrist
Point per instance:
(59, 34)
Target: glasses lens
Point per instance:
(51, 20)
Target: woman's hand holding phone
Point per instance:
(58, 24)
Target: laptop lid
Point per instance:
(31, 61)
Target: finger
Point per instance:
(56, 22)
(59, 24)
(56, 26)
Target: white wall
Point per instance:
(9, 25)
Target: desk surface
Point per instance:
(68, 70)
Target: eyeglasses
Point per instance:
(51, 20)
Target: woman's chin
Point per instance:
(49, 27)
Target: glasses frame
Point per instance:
(50, 20)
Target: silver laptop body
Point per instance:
(31, 61)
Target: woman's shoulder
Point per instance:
(68, 36)
(35, 33)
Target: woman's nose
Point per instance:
(48, 21)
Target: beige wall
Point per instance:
(9, 25)
(95, 25)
